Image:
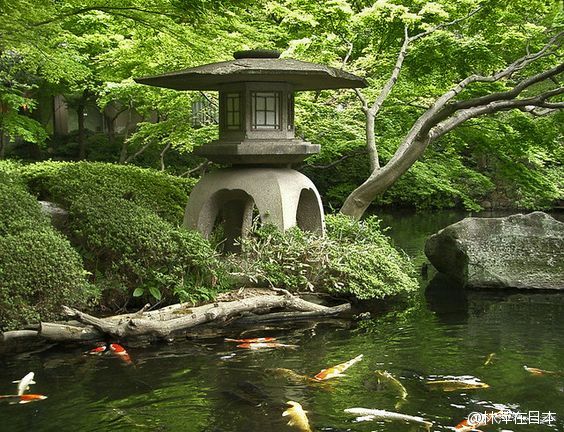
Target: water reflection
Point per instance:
(210, 385)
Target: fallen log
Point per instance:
(178, 318)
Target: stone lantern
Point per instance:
(257, 141)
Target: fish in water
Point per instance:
(98, 350)
(298, 417)
(489, 359)
(391, 381)
(120, 351)
(252, 340)
(24, 398)
(365, 414)
(24, 383)
(537, 371)
(457, 384)
(336, 371)
(261, 345)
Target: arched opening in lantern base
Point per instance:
(224, 201)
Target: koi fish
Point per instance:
(337, 371)
(365, 414)
(97, 350)
(24, 398)
(537, 371)
(120, 351)
(24, 383)
(392, 382)
(298, 417)
(261, 345)
(489, 359)
(252, 340)
(457, 384)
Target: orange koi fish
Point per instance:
(336, 371)
(252, 340)
(24, 398)
(120, 351)
(261, 345)
(97, 350)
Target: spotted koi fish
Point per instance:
(98, 350)
(120, 351)
(336, 371)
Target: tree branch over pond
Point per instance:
(445, 114)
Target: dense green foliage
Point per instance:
(124, 221)
(39, 269)
(132, 251)
(94, 50)
(354, 259)
(66, 182)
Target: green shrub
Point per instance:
(132, 251)
(65, 182)
(18, 209)
(39, 269)
(353, 259)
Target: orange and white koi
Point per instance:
(24, 383)
(252, 340)
(261, 345)
(24, 398)
(120, 351)
(298, 417)
(337, 371)
(98, 350)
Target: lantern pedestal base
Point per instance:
(281, 196)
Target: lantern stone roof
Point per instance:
(257, 66)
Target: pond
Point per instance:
(212, 385)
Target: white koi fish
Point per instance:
(365, 414)
(24, 383)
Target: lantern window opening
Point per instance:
(233, 111)
(265, 110)
(290, 111)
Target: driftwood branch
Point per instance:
(171, 320)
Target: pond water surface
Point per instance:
(213, 386)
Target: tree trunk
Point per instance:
(2, 145)
(381, 179)
(371, 140)
(80, 109)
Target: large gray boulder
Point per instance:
(519, 251)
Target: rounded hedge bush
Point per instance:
(65, 182)
(39, 272)
(131, 250)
